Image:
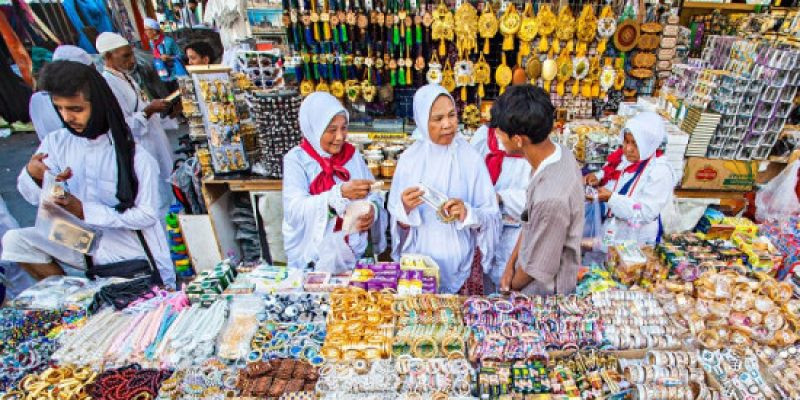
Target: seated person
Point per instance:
(639, 188)
(113, 183)
(321, 177)
(469, 220)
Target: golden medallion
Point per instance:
(509, 26)
(527, 30)
(503, 75)
(466, 27)
(442, 27)
(487, 26)
(483, 75)
(448, 77)
(547, 25)
(566, 28)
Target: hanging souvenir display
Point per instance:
(564, 62)
(442, 27)
(627, 35)
(434, 74)
(509, 26)
(606, 27)
(533, 69)
(466, 27)
(594, 78)
(483, 75)
(465, 76)
(549, 71)
(580, 70)
(619, 76)
(487, 26)
(607, 77)
(518, 76)
(587, 28)
(527, 30)
(547, 25)
(448, 77)
(565, 30)
(503, 74)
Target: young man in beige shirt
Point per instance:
(547, 256)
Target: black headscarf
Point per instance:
(106, 116)
(15, 94)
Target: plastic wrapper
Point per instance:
(59, 227)
(59, 292)
(778, 199)
(242, 324)
(593, 224)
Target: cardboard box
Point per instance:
(710, 174)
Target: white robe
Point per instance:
(305, 217)
(44, 116)
(17, 278)
(654, 189)
(149, 133)
(307, 225)
(94, 182)
(457, 172)
(511, 186)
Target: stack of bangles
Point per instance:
(55, 382)
(635, 320)
(739, 375)
(278, 340)
(431, 341)
(784, 365)
(520, 327)
(353, 379)
(428, 309)
(435, 377)
(666, 375)
(213, 379)
(360, 325)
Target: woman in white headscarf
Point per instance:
(44, 117)
(444, 162)
(642, 185)
(322, 177)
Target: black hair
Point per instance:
(52, 80)
(524, 110)
(67, 79)
(202, 48)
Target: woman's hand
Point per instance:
(603, 194)
(356, 189)
(456, 208)
(365, 221)
(412, 198)
(591, 180)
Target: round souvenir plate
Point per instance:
(627, 35)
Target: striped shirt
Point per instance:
(550, 250)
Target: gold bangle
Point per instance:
(417, 351)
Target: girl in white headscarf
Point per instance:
(321, 177)
(443, 161)
(643, 183)
(44, 117)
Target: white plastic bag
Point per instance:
(60, 227)
(593, 226)
(778, 198)
(335, 255)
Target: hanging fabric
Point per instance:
(18, 52)
(37, 23)
(89, 18)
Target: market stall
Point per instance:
(710, 312)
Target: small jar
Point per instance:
(374, 168)
(387, 168)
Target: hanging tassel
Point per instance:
(463, 93)
(524, 48)
(326, 27)
(560, 88)
(316, 72)
(336, 34)
(418, 31)
(508, 42)
(481, 93)
(309, 37)
(316, 31)
(575, 88)
(409, 76)
(547, 86)
(556, 46)
(486, 46)
(395, 35)
(343, 35)
(570, 46)
(409, 39)
(442, 48)
(393, 76)
(401, 77)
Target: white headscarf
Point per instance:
(316, 112)
(649, 132)
(457, 171)
(68, 52)
(150, 23)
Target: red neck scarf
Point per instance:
(156, 43)
(494, 160)
(331, 167)
(610, 171)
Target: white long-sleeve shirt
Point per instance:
(511, 186)
(306, 223)
(43, 115)
(94, 183)
(653, 192)
(147, 132)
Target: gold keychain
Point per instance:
(587, 28)
(528, 29)
(466, 27)
(509, 26)
(503, 75)
(487, 26)
(606, 26)
(448, 77)
(442, 28)
(564, 71)
(483, 75)
(566, 28)
(547, 25)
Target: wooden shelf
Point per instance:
(719, 6)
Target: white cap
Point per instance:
(150, 23)
(108, 41)
(68, 52)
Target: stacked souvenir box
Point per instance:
(666, 51)
(701, 125)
